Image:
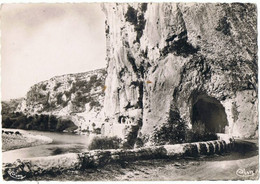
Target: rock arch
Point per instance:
(208, 115)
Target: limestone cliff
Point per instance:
(198, 60)
(78, 97)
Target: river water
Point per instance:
(62, 143)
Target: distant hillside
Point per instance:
(76, 97)
(10, 106)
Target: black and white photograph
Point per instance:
(129, 91)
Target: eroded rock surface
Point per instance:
(165, 57)
(78, 97)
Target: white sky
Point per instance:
(40, 41)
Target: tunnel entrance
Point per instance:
(208, 115)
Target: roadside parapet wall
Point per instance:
(96, 158)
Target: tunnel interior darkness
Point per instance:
(208, 115)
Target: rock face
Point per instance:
(198, 60)
(78, 97)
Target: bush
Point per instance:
(137, 21)
(144, 7)
(94, 104)
(59, 98)
(140, 141)
(194, 136)
(172, 132)
(57, 86)
(224, 26)
(105, 143)
(131, 15)
(97, 130)
(44, 86)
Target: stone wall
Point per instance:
(97, 158)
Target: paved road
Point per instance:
(239, 165)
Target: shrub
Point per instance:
(97, 130)
(140, 27)
(44, 87)
(141, 141)
(137, 21)
(86, 89)
(144, 7)
(94, 104)
(131, 15)
(224, 26)
(85, 130)
(57, 86)
(93, 78)
(59, 98)
(73, 88)
(172, 132)
(105, 143)
(196, 136)
(99, 82)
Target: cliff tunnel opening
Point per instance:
(208, 115)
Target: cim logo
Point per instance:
(245, 173)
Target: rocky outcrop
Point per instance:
(78, 97)
(197, 60)
(55, 164)
(10, 106)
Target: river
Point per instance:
(62, 143)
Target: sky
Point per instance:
(40, 41)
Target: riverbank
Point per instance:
(14, 139)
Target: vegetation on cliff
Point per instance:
(187, 62)
(10, 106)
(71, 92)
(73, 100)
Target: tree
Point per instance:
(52, 123)
(7, 123)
